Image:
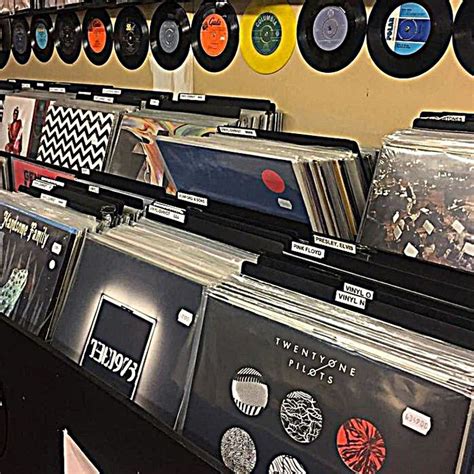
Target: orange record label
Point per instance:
(97, 35)
(214, 35)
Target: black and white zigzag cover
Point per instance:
(76, 138)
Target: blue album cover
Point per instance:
(262, 184)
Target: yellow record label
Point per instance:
(267, 35)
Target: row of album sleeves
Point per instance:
(401, 39)
(269, 372)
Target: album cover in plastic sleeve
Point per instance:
(136, 154)
(422, 199)
(35, 252)
(25, 172)
(267, 398)
(132, 324)
(249, 181)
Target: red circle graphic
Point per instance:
(273, 181)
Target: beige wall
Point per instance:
(359, 102)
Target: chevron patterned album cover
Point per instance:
(76, 138)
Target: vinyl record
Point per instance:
(97, 35)
(268, 35)
(131, 37)
(170, 35)
(42, 37)
(215, 35)
(407, 39)
(21, 45)
(68, 36)
(5, 42)
(463, 38)
(331, 33)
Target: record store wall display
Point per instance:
(315, 59)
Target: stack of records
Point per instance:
(39, 242)
(422, 200)
(323, 187)
(133, 314)
(136, 154)
(287, 383)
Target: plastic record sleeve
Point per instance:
(5, 42)
(170, 35)
(42, 30)
(331, 33)
(21, 44)
(97, 36)
(463, 38)
(131, 37)
(215, 35)
(68, 36)
(407, 39)
(268, 35)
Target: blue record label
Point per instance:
(407, 29)
(41, 36)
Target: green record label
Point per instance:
(266, 33)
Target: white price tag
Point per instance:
(101, 98)
(53, 181)
(26, 85)
(42, 185)
(56, 248)
(358, 291)
(60, 90)
(154, 102)
(85, 171)
(245, 132)
(167, 213)
(112, 91)
(351, 300)
(416, 421)
(193, 97)
(308, 250)
(94, 189)
(185, 317)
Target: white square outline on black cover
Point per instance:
(134, 312)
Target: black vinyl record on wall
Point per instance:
(21, 43)
(42, 30)
(407, 39)
(5, 42)
(68, 37)
(463, 38)
(97, 35)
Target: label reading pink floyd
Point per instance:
(408, 29)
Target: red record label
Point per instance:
(361, 446)
(97, 35)
(273, 181)
(214, 35)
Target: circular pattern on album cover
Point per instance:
(301, 417)
(131, 37)
(406, 39)
(97, 35)
(238, 451)
(267, 35)
(249, 391)
(361, 446)
(68, 36)
(215, 35)
(463, 38)
(170, 35)
(331, 33)
(42, 30)
(5, 42)
(285, 464)
(21, 44)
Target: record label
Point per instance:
(169, 36)
(20, 38)
(330, 28)
(97, 35)
(41, 35)
(408, 29)
(266, 33)
(214, 35)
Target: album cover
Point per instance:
(15, 132)
(109, 283)
(265, 396)
(34, 255)
(250, 181)
(25, 172)
(136, 154)
(76, 138)
(39, 119)
(422, 201)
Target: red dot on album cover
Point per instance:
(361, 446)
(273, 181)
